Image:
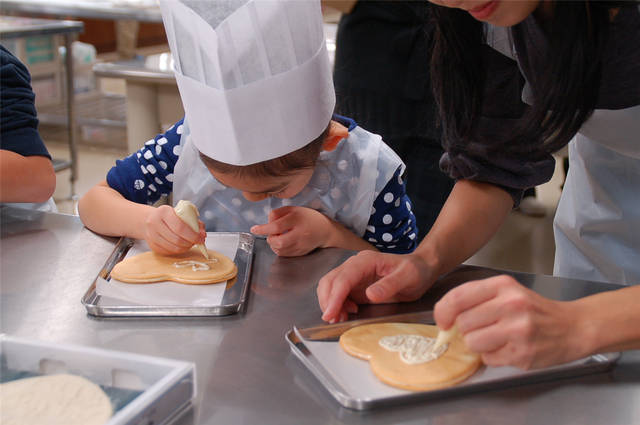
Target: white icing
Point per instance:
(413, 349)
(195, 265)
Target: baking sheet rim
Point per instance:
(592, 364)
(91, 299)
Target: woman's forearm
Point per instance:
(608, 321)
(471, 216)
(107, 212)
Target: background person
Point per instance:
(382, 81)
(27, 178)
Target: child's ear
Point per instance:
(337, 132)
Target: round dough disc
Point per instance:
(454, 366)
(54, 400)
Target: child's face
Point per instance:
(257, 189)
(503, 13)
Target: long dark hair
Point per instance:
(563, 97)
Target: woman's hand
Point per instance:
(508, 324)
(372, 277)
(167, 234)
(293, 231)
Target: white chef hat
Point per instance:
(254, 75)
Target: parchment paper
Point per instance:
(172, 293)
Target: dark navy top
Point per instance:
(147, 175)
(18, 118)
(503, 102)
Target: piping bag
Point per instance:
(444, 337)
(188, 212)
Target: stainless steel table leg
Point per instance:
(71, 117)
(143, 121)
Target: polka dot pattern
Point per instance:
(147, 175)
(391, 226)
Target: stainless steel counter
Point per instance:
(245, 372)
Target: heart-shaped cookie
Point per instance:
(189, 267)
(410, 340)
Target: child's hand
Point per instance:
(294, 231)
(168, 234)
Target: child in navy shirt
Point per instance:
(146, 176)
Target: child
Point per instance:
(257, 128)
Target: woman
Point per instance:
(576, 67)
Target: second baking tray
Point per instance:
(233, 299)
(352, 383)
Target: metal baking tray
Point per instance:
(142, 389)
(352, 383)
(233, 299)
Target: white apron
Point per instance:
(343, 187)
(597, 223)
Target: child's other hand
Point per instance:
(167, 234)
(294, 231)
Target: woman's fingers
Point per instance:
(350, 306)
(404, 279)
(463, 298)
(337, 285)
(487, 339)
(339, 290)
(372, 277)
(480, 316)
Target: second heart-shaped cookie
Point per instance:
(411, 341)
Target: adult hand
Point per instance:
(372, 277)
(294, 231)
(508, 324)
(168, 234)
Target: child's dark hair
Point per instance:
(284, 165)
(577, 36)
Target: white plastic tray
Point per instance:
(142, 389)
